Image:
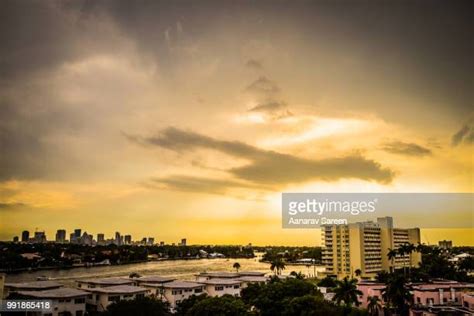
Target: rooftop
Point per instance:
(181, 285)
(35, 285)
(154, 279)
(55, 293)
(119, 289)
(107, 281)
(221, 281)
(220, 274)
(253, 279)
(251, 273)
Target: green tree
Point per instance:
(396, 295)
(226, 305)
(327, 282)
(236, 266)
(277, 266)
(184, 306)
(392, 254)
(346, 293)
(310, 305)
(358, 272)
(139, 307)
(373, 305)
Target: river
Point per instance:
(180, 269)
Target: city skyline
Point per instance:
(191, 120)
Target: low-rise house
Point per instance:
(102, 297)
(105, 282)
(246, 280)
(176, 291)
(64, 301)
(30, 286)
(220, 287)
(251, 273)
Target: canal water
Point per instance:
(180, 269)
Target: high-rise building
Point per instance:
(364, 246)
(183, 242)
(151, 241)
(72, 238)
(118, 239)
(445, 244)
(25, 236)
(16, 239)
(100, 239)
(61, 236)
(143, 242)
(40, 237)
(86, 239)
(77, 236)
(128, 240)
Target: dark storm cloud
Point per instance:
(407, 149)
(464, 135)
(269, 167)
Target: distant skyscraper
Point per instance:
(25, 236)
(16, 239)
(72, 238)
(183, 242)
(40, 237)
(117, 239)
(143, 242)
(61, 236)
(100, 239)
(151, 241)
(445, 244)
(128, 239)
(86, 239)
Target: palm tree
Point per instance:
(396, 294)
(402, 251)
(374, 305)
(410, 248)
(392, 254)
(358, 272)
(346, 292)
(236, 266)
(277, 266)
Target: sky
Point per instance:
(176, 119)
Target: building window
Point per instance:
(219, 288)
(79, 301)
(79, 313)
(236, 286)
(198, 291)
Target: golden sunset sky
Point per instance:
(182, 119)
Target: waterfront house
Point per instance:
(220, 287)
(102, 297)
(176, 291)
(64, 301)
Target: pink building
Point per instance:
(370, 289)
(467, 300)
(440, 293)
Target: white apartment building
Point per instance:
(102, 297)
(203, 276)
(152, 279)
(246, 280)
(176, 291)
(65, 301)
(364, 246)
(220, 287)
